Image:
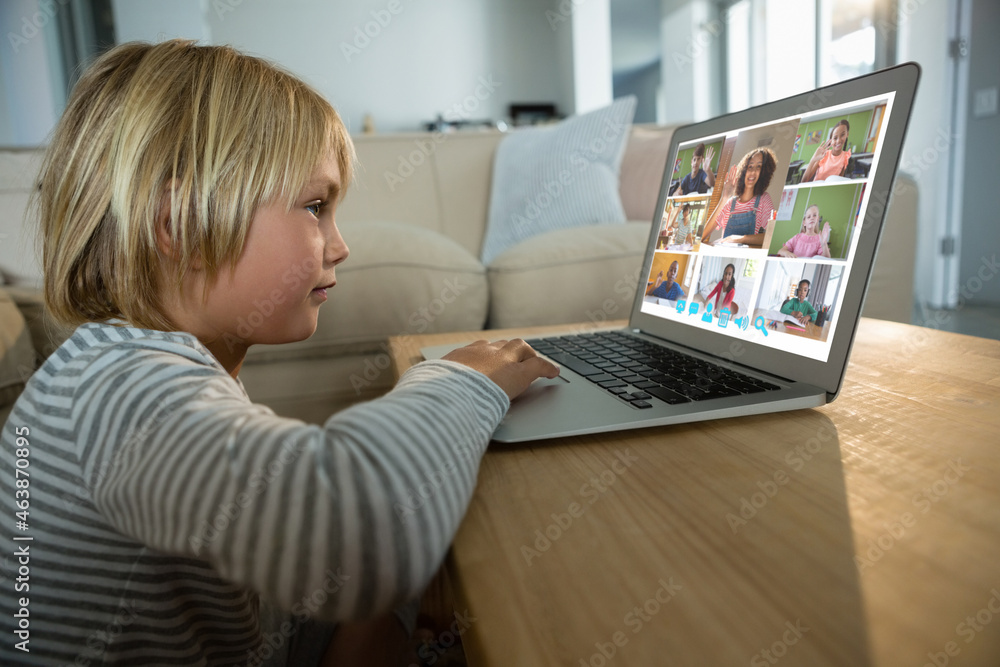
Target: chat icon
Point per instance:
(693, 308)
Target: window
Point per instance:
(847, 44)
(778, 48)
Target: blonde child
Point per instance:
(809, 242)
(173, 521)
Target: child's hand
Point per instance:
(512, 364)
(732, 178)
(822, 150)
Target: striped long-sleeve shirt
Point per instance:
(163, 505)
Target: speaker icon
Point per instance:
(742, 322)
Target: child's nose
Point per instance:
(336, 248)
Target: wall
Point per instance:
(644, 83)
(980, 242)
(31, 101)
(923, 37)
(6, 125)
(154, 20)
(400, 61)
(685, 67)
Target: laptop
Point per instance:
(750, 291)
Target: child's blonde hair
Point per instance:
(802, 227)
(204, 134)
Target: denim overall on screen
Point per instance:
(742, 224)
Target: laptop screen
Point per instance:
(760, 227)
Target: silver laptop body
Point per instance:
(780, 351)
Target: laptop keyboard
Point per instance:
(637, 371)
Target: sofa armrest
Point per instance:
(46, 333)
(17, 353)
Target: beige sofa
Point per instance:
(415, 220)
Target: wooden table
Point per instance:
(866, 532)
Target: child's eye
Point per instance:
(315, 208)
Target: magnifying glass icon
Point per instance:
(759, 324)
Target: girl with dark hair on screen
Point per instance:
(745, 207)
(831, 158)
(724, 292)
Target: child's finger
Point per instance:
(541, 367)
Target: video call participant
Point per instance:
(701, 177)
(809, 242)
(680, 231)
(745, 207)
(831, 158)
(724, 292)
(666, 289)
(798, 307)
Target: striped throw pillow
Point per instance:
(557, 177)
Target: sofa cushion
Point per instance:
(399, 279)
(570, 275)
(17, 355)
(557, 177)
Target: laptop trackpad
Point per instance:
(543, 386)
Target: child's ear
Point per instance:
(164, 231)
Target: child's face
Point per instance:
(811, 219)
(839, 139)
(274, 293)
(753, 171)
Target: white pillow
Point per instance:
(558, 176)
